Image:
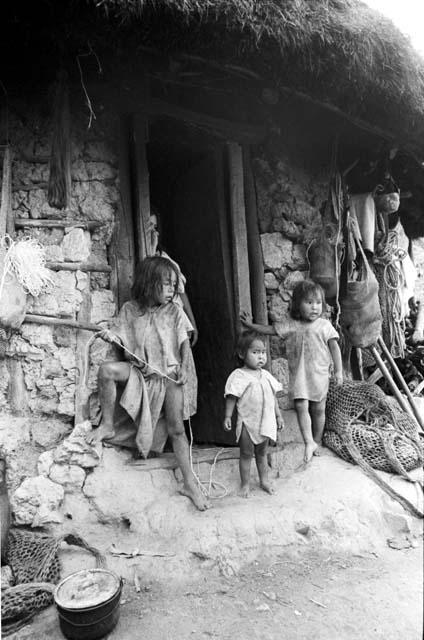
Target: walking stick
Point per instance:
(402, 382)
(393, 387)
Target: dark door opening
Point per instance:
(187, 189)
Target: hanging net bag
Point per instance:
(363, 427)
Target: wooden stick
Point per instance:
(57, 224)
(61, 322)
(78, 266)
(169, 461)
(239, 230)
(29, 187)
(82, 391)
(399, 397)
(6, 212)
(401, 381)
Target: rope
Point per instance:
(25, 259)
(393, 280)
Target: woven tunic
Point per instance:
(308, 356)
(155, 336)
(255, 402)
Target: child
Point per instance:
(311, 346)
(253, 390)
(155, 330)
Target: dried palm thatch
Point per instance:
(340, 51)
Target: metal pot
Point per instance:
(79, 622)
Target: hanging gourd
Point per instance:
(324, 255)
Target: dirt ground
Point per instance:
(291, 593)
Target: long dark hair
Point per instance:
(302, 290)
(148, 280)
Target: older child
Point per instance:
(154, 330)
(253, 391)
(311, 346)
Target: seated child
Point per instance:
(155, 331)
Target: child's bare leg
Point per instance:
(247, 450)
(261, 451)
(305, 424)
(317, 410)
(174, 419)
(110, 373)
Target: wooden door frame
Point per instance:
(247, 273)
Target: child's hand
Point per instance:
(338, 376)
(246, 319)
(227, 424)
(194, 337)
(280, 422)
(108, 336)
(182, 376)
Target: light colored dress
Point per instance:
(154, 335)
(255, 402)
(308, 355)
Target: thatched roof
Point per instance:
(337, 51)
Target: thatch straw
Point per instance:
(339, 50)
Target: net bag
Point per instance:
(363, 427)
(360, 315)
(34, 561)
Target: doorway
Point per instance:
(188, 191)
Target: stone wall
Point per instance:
(46, 354)
(38, 363)
(289, 198)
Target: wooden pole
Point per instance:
(61, 322)
(399, 397)
(142, 190)
(78, 266)
(402, 382)
(239, 231)
(31, 223)
(82, 357)
(7, 222)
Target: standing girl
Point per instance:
(155, 331)
(253, 391)
(311, 347)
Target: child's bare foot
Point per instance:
(244, 491)
(317, 451)
(310, 448)
(103, 432)
(196, 496)
(268, 486)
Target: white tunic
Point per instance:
(255, 402)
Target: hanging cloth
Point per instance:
(59, 187)
(362, 208)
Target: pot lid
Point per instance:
(86, 588)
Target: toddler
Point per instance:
(253, 390)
